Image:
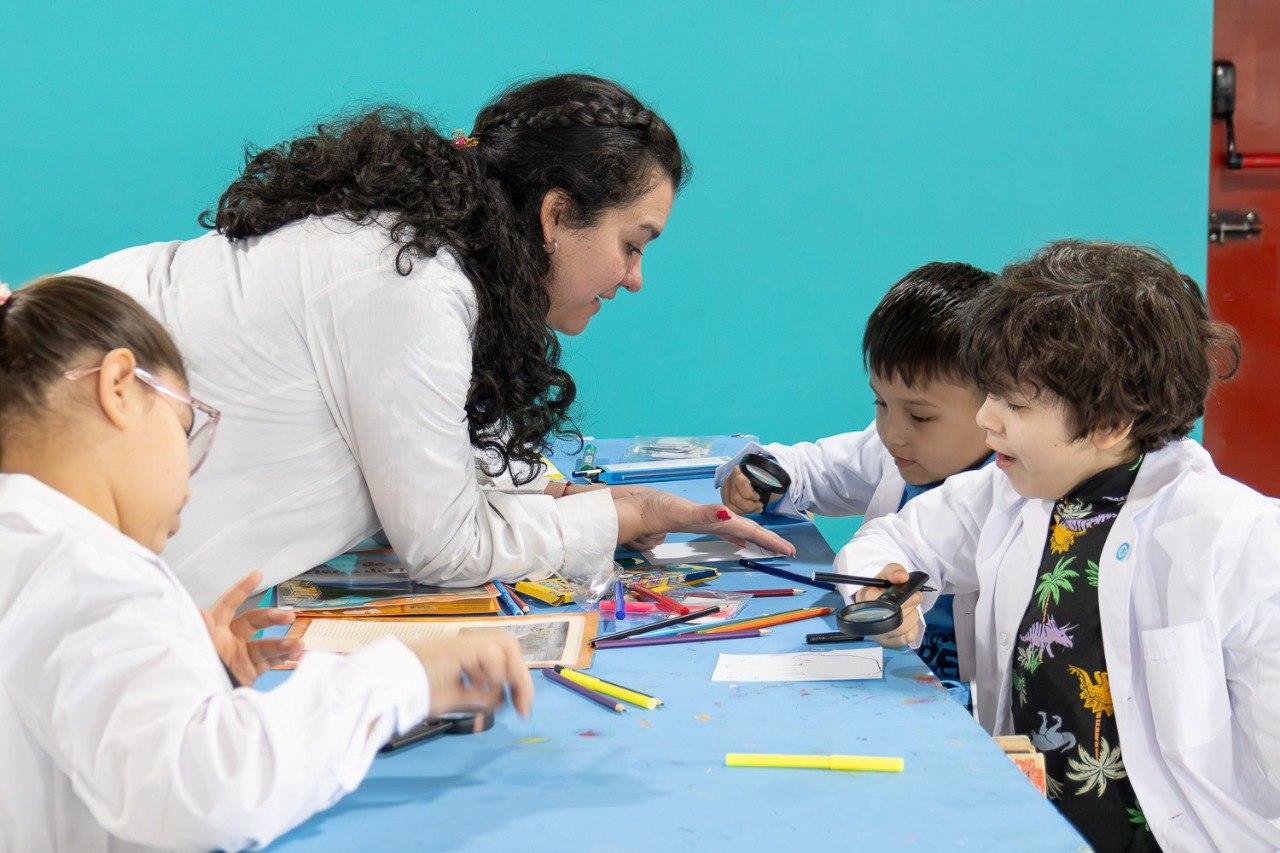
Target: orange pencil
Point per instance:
(768, 621)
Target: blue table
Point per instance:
(579, 777)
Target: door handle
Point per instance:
(1224, 107)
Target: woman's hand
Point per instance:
(738, 494)
(245, 657)
(475, 673)
(653, 511)
(906, 633)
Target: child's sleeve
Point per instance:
(937, 533)
(834, 476)
(1251, 645)
(114, 675)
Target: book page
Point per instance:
(545, 641)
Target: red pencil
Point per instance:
(668, 604)
(764, 593)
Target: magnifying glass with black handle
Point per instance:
(456, 723)
(766, 476)
(878, 615)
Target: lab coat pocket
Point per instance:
(1187, 684)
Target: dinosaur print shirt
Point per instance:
(1062, 697)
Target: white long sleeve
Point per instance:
(937, 533)
(833, 476)
(115, 701)
(342, 386)
(396, 367)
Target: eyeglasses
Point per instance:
(204, 418)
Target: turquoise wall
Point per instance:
(836, 145)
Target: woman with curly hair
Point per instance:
(375, 316)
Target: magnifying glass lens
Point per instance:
(870, 614)
(764, 477)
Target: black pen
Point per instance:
(831, 637)
(653, 626)
(879, 583)
(834, 577)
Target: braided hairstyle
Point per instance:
(584, 135)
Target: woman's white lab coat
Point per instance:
(119, 728)
(342, 386)
(1189, 599)
(852, 474)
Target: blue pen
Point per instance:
(620, 602)
(783, 573)
(506, 601)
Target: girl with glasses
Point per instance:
(120, 727)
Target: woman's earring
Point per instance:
(550, 248)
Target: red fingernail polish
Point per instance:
(724, 515)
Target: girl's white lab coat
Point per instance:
(119, 729)
(342, 386)
(852, 474)
(1189, 598)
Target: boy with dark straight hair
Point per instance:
(924, 432)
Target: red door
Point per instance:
(1242, 424)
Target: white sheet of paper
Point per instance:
(842, 665)
(703, 551)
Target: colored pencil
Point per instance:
(767, 621)
(520, 602)
(505, 599)
(835, 578)
(654, 626)
(784, 574)
(764, 593)
(680, 638)
(620, 601)
(668, 604)
(608, 688)
(585, 692)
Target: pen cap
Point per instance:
(866, 762)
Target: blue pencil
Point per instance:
(783, 573)
(620, 601)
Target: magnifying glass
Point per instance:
(456, 723)
(879, 615)
(765, 476)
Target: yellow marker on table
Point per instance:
(609, 689)
(815, 762)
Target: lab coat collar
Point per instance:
(50, 510)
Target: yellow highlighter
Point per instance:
(609, 689)
(815, 762)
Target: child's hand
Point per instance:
(906, 633)
(247, 658)
(475, 673)
(738, 495)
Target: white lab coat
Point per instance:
(119, 728)
(852, 474)
(1189, 598)
(342, 386)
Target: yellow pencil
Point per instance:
(608, 689)
(815, 762)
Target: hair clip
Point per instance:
(5, 293)
(461, 139)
